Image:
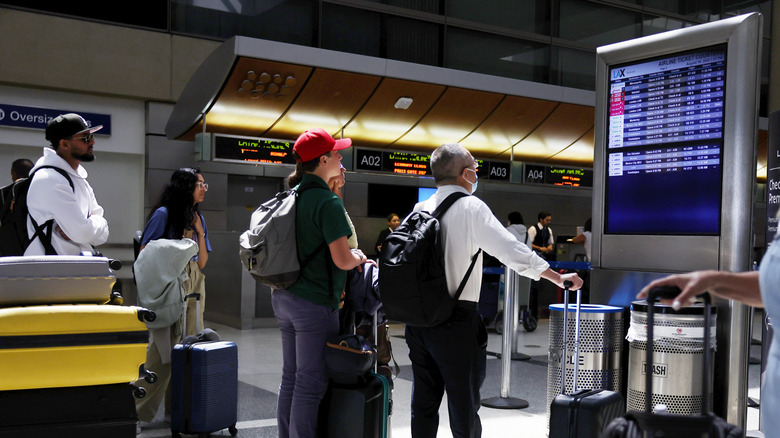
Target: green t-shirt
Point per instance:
(319, 217)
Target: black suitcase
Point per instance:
(584, 413)
(640, 424)
(356, 411)
(81, 411)
(360, 410)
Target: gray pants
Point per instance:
(305, 328)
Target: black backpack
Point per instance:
(13, 216)
(412, 281)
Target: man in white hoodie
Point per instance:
(77, 222)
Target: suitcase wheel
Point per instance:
(529, 322)
(150, 377)
(233, 431)
(145, 315)
(175, 434)
(139, 391)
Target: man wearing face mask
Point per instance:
(452, 355)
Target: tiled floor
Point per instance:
(260, 367)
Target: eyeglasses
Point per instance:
(202, 185)
(88, 137)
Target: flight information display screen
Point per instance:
(665, 144)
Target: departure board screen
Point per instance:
(253, 150)
(665, 143)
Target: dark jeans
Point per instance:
(451, 356)
(305, 328)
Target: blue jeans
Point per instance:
(305, 328)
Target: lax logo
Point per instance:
(618, 73)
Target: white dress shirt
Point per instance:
(468, 226)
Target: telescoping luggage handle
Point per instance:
(198, 328)
(670, 292)
(566, 285)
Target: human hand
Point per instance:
(576, 281)
(197, 223)
(62, 233)
(691, 284)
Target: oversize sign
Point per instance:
(37, 118)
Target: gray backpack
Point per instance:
(268, 249)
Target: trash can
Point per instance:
(678, 355)
(601, 345)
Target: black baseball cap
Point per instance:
(68, 125)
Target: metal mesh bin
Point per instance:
(601, 344)
(678, 355)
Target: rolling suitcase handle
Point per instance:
(567, 284)
(198, 328)
(671, 292)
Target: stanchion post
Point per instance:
(504, 401)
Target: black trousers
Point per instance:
(449, 357)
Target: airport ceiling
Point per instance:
(258, 88)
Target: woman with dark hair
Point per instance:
(308, 312)
(176, 216)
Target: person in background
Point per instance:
(584, 238)
(516, 227)
(78, 223)
(452, 356)
(20, 168)
(393, 221)
(541, 237)
(308, 312)
(176, 216)
(336, 185)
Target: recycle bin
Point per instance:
(601, 345)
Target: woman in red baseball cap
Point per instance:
(307, 312)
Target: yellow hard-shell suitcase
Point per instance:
(71, 345)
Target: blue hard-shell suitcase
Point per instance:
(204, 388)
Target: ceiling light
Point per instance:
(266, 85)
(403, 103)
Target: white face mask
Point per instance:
(475, 183)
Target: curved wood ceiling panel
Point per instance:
(255, 95)
(329, 100)
(579, 153)
(566, 124)
(457, 113)
(379, 124)
(513, 120)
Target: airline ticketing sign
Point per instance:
(37, 118)
(408, 163)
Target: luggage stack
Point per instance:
(68, 356)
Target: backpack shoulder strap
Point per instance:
(446, 204)
(62, 172)
(44, 231)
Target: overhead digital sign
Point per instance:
(408, 163)
(557, 176)
(254, 150)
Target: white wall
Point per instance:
(116, 175)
